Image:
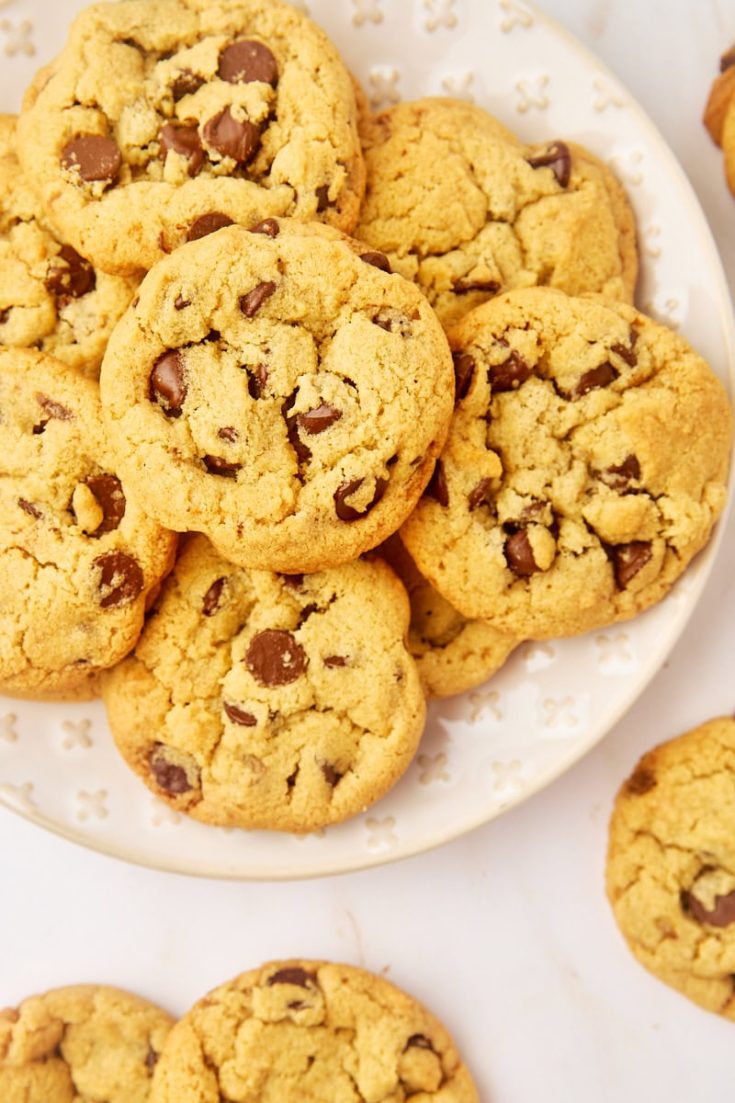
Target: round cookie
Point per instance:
(671, 864)
(266, 701)
(51, 298)
(80, 1044)
(292, 417)
(296, 1030)
(452, 653)
(719, 114)
(78, 559)
(219, 111)
(578, 480)
(462, 207)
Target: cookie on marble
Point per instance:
(267, 701)
(586, 465)
(452, 653)
(719, 114)
(463, 208)
(671, 864)
(280, 392)
(296, 1030)
(163, 117)
(80, 1044)
(78, 558)
(51, 298)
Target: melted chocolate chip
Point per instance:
(464, 371)
(185, 141)
(378, 260)
(215, 465)
(181, 303)
(251, 303)
(317, 420)
(186, 84)
(167, 384)
(232, 138)
(4, 315)
(257, 380)
(291, 782)
(29, 508)
(640, 781)
(558, 158)
(346, 512)
(212, 598)
(74, 278)
(628, 560)
(333, 661)
(727, 60)
(52, 408)
(519, 555)
(171, 778)
(93, 157)
(268, 226)
(722, 915)
(228, 433)
(151, 1058)
(323, 202)
(239, 716)
(596, 377)
(509, 375)
(418, 1041)
(437, 488)
(292, 975)
(303, 454)
(274, 658)
(619, 476)
(463, 287)
(332, 776)
(108, 493)
(246, 61)
(482, 493)
(627, 354)
(121, 579)
(208, 224)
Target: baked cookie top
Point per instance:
(671, 864)
(719, 114)
(295, 1030)
(51, 298)
(162, 113)
(266, 701)
(78, 558)
(280, 392)
(578, 479)
(452, 652)
(463, 208)
(80, 1044)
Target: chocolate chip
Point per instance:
(4, 315)
(464, 371)
(246, 61)
(332, 776)
(317, 420)
(728, 59)
(167, 385)
(232, 138)
(437, 488)
(378, 260)
(293, 581)
(268, 226)
(74, 278)
(628, 560)
(333, 661)
(29, 508)
(509, 375)
(481, 494)
(186, 84)
(558, 158)
(722, 915)
(211, 602)
(292, 975)
(303, 454)
(151, 1058)
(519, 555)
(170, 777)
(238, 716)
(181, 303)
(290, 783)
(627, 354)
(307, 612)
(418, 1041)
(228, 433)
(185, 141)
(208, 224)
(596, 377)
(619, 476)
(52, 408)
(346, 512)
(463, 287)
(274, 658)
(257, 380)
(40, 428)
(640, 781)
(215, 465)
(323, 202)
(251, 303)
(108, 492)
(93, 157)
(121, 579)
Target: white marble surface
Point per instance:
(506, 933)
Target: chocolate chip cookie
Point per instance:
(269, 701)
(719, 114)
(671, 864)
(278, 390)
(162, 118)
(51, 298)
(452, 653)
(296, 1030)
(79, 1044)
(78, 559)
(585, 467)
(462, 207)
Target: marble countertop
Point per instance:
(506, 934)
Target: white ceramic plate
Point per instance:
(490, 749)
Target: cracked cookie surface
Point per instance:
(463, 208)
(291, 416)
(585, 467)
(78, 559)
(51, 298)
(671, 864)
(296, 1030)
(80, 1044)
(266, 701)
(242, 110)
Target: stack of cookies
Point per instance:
(289, 420)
